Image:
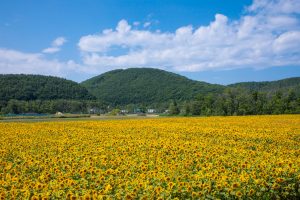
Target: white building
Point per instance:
(151, 110)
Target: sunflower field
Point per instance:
(255, 157)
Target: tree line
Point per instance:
(51, 106)
(238, 101)
(232, 101)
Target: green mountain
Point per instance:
(130, 86)
(283, 85)
(33, 87)
(146, 85)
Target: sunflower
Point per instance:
(239, 194)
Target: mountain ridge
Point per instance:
(267, 85)
(125, 86)
(146, 85)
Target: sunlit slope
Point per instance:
(146, 85)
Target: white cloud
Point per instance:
(266, 35)
(288, 42)
(59, 41)
(51, 50)
(56, 45)
(15, 62)
(147, 24)
(275, 6)
(136, 23)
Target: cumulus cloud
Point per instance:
(55, 46)
(275, 7)
(15, 62)
(266, 35)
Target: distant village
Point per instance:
(138, 111)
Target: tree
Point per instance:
(196, 108)
(186, 109)
(278, 103)
(115, 112)
(291, 102)
(207, 105)
(173, 108)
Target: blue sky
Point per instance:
(209, 40)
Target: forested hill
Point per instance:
(33, 87)
(283, 85)
(146, 88)
(146, 85)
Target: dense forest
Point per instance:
(246, 98)
(52, 106)
(38, 87)
(283, 85)
(238, 101)
(137, 90)
(43, 94)
(146, 86)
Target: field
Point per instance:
(254, 157)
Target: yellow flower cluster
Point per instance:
(166, 158)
